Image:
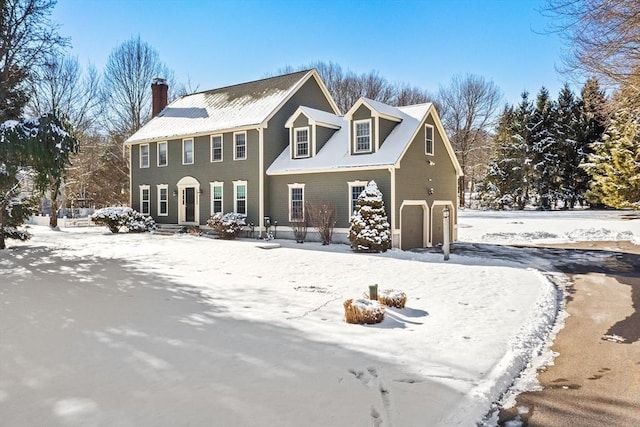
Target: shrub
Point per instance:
(370, 230)
(363, 311)
(299, 230)
(227, 226)
(116, 217)
(392, 298)
(322, 216)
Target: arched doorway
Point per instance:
(414, 224)
(188, 201)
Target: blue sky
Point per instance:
(424, 43)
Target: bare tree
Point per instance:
(127, 77)
(347, 87)
(27, 37)
(59, 85)
(322, 216)
(468, 109)
(604, 36)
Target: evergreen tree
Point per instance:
(590, 127)
(615, 163)
(544, 152)
(370, 229)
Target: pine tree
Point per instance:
(615, 163)
(370, 229)
(544, 151)
(590, 128)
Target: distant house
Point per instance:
(266, 147)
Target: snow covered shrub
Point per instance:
(370, 229)
(322, 216)
(392, 298)
(139, 223)
(116, 217)
(228, 226)
(363, 311)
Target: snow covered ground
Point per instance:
(140, 329)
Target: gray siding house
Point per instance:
(264, 148)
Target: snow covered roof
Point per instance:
(377, 108)
(231, 107)
(320, 117)
(335, 154)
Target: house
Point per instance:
(266, 147)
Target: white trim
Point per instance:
(148, 199)
(193, 151)
(291, 187)
(260, 179)
(392, 172)
(350, 185)
(212, 186)
(184, 183)
(445, 140)
(289, 123)
(355, 136)
(124, 147)
(426, 227)
(236, 184)
(328, 170)
(160, 188)
(295, 142)
(377, 133)
(374, 113)
(148, 155)
(433, 138)
(235, 147)
(452, 218)
(166, 145)
(221, 136)
(312, 73)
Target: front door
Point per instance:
(190, 204)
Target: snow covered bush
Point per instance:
(116, 217)
(363, 311)
(370, 229)
(392, 298)
(227, 226)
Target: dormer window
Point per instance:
(301, 140)
(362, 132)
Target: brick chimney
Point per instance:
(159, 92)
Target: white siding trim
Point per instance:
(216, 184)
(291, 187)
(236, 184)
(161, 187)
(246, 146)
(146, 146)
(221, 136)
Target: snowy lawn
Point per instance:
(140, 330)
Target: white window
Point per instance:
(144, 199)
(362, 132)
(216, 197)
(187, 151)
(163, 200)
(428, 139)
(355, 189)
(163, 158)
(144, 156)
(240, 197)
(296, 202)
(216, 148)
(239, 146)
(301, 141)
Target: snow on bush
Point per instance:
(392, 298)
(370, 229)
(363, 311)
(227, 226)
(116, 217)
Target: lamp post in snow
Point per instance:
(445, 230)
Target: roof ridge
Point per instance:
(302, 72)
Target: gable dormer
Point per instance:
(370, 123)
(309, 131)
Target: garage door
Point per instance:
(412, 227)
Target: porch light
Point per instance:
(175, 193)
